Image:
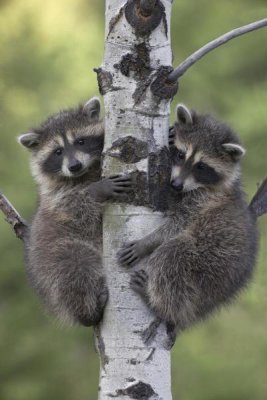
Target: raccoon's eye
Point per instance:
(200, 165)
(80, 142)
(58, 151)
(179, 155)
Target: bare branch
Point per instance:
(18, 224)
(188, 62)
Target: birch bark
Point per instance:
(136, 126)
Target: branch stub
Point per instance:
(161, 87)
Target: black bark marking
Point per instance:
(128, 150)
(159, 171)
(125, 64)
(134, 361)
(130, 379)
(147, 6)
(105, 80)
(139, 197)
(137, 331)
(151, 355)
(137, 62)
(113, 22)
(141, 89)
(142, 22)
(149, 334)
(165, 23)
(138, 391)
(101, 348)
(160, 87)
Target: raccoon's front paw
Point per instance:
(131, 253)
(117, 186)
(138, 283)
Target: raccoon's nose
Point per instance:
(177, 184)
(75, 166)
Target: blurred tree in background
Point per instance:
(47, 53)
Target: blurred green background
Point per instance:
(47, 52)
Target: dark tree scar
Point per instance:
(159, 170)
(143, 23)
(105, 81)
(140, 391)
(137, 62)
(160, 87)
(128, 150)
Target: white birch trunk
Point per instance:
(129, 368)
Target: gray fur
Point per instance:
(204, 253)
(64, 246)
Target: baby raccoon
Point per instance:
(64, 245)
(204, 253)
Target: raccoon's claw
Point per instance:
(171, 136)
(113, 187)
(132, 252)
(120, 185)
(138, 282)
(129, 254)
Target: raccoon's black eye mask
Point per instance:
(89, 144)
(53, 163)
(205, 174)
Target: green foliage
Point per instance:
(48, 50)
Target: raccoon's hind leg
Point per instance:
(139, 283)
(172, 289)
(81, 293)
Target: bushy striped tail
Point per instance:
(258, 204)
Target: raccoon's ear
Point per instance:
(29, 140)
(92, 108)
(235, 150)
(184, 115)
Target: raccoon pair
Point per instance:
(205, 251)
(64, 242)
(197, 260)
